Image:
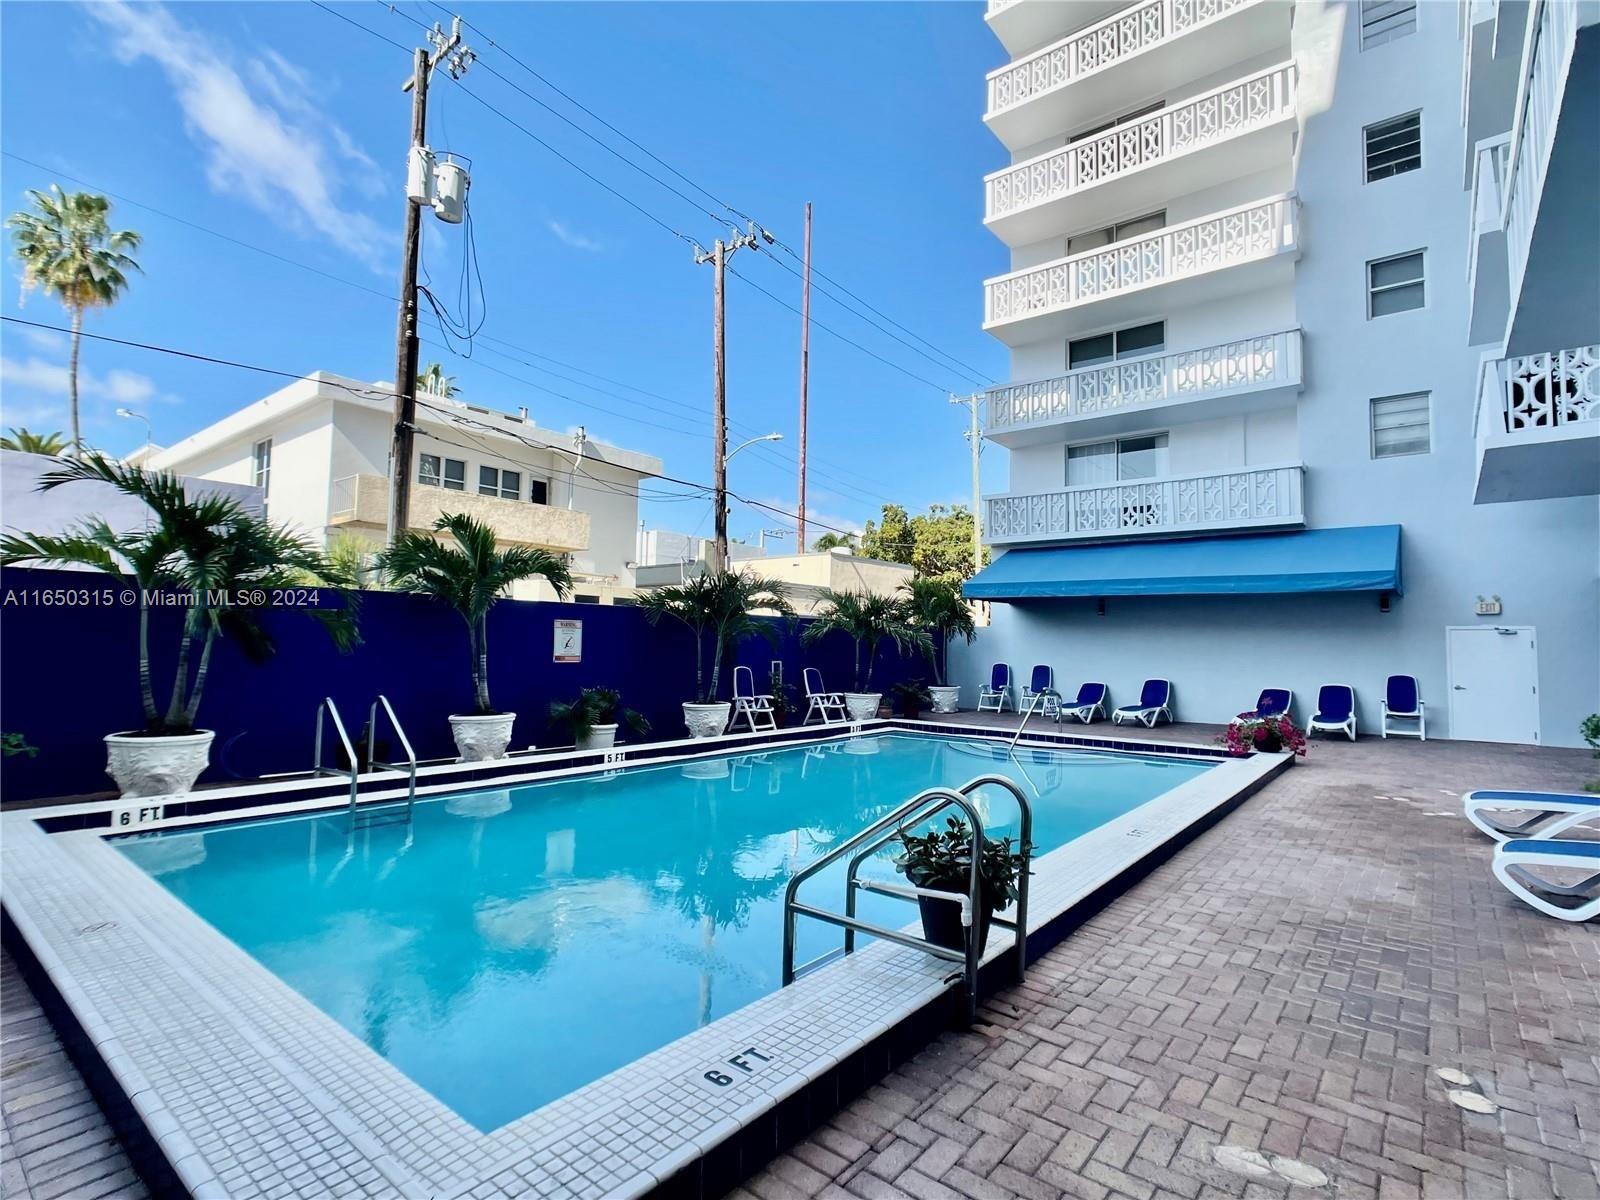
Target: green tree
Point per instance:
(889, 538)
(723, 604)
(68, 248)
(434, 380)
(870, 619)
(834, 541)
(29, 442)
(470, 577)
(937, 606)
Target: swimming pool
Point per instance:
(512, 944)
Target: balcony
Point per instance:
(1486, 256)
(1024, 25)
(1245, 248)
(363, 500)
(1249, 498)
(1229, 132)
(1538, 426)
(1491, 49)
(1120, 397)
(1069, 82)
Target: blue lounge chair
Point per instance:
(1155, 702)
(756, 711)
(1545, 814)
(1273, 702)
(1040, 692)
(1402, 701)
(1336, 710)
(996, 694)
(1089, 704)
(1516, 864)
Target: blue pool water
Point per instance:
(515, 944)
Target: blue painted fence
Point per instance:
(70, 676)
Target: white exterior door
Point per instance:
(1494, 684)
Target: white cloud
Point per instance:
(40, 339)
(578, 241)
(42, 377)
(264, 139)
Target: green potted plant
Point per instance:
(212, 551)
(593, 718)
(720, 605)
(911, 697)
(785, 702)
(942, 862)
(470, 577)
(869, 619)
(937, 605)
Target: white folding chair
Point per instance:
(755, 710)
(824, 706)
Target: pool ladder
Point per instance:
(863, 845)
(381, 814)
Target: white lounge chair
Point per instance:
(756, 711)
(821, 705)
(996, 694)
(1155, 702)
(1544, 814)
(1089, 703)
(1516, 864)
(1402, 701)
(1039, 693)
(1336, 710)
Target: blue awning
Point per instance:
(1363, 558)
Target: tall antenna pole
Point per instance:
(805, 374)
(405, 370)
(718, 257)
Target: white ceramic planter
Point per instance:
(706, 720)
(862, 745)
(862, 706)
(481, 738)
(945, 697)
(157, 766)
(599, 737)
(707, 768)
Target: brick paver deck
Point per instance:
(1286, 983)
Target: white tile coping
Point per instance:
(246, 1086)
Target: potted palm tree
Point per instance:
(720, 604)
(593, 718)
(213, 551)
(870, 619)
(470, 576)
(937, 606)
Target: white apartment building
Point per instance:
(1296, 290)
(319, 450)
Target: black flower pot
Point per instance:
(941, 923)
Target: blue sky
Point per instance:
(284, 127)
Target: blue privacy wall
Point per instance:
(71, 676)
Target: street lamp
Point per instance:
(761, 538)
(765, 437)
(134, 416)
(722, 496)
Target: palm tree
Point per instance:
(434, 380)
(870, 618)
(470, 577)
(936, 605)
(29, 442)
(723, 604)
(208, 547)
(67, 247)
(834, 541)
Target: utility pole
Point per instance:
(456, 57)
(975, 437)
(718, 256)
(805, 373)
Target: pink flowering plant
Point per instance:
(1268, 734)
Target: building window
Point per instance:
(1124, 459)
(1384, 20)
(1394, 285)
(494, 482)
(1120, 232)
(1119, 343)
(585, 598)
(448, 473)
(1400, 425)
(1394, 146)
(539, 491)
(1122, 120)
(261, 465)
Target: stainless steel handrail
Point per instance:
(328, 709)
(409, 767)
(921, 807)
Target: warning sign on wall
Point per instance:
(569, 641)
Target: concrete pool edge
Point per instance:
(641, 1127)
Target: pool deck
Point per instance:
(1286, 982)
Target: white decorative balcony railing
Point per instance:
(1552, 34)
(1193, 503)
(1540, 391)
(1240, 235)
(1488, 188)
(1268, 361)
(1215, 116)
(1100, 45)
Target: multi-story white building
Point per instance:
(1258, 251)
(319, 449)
